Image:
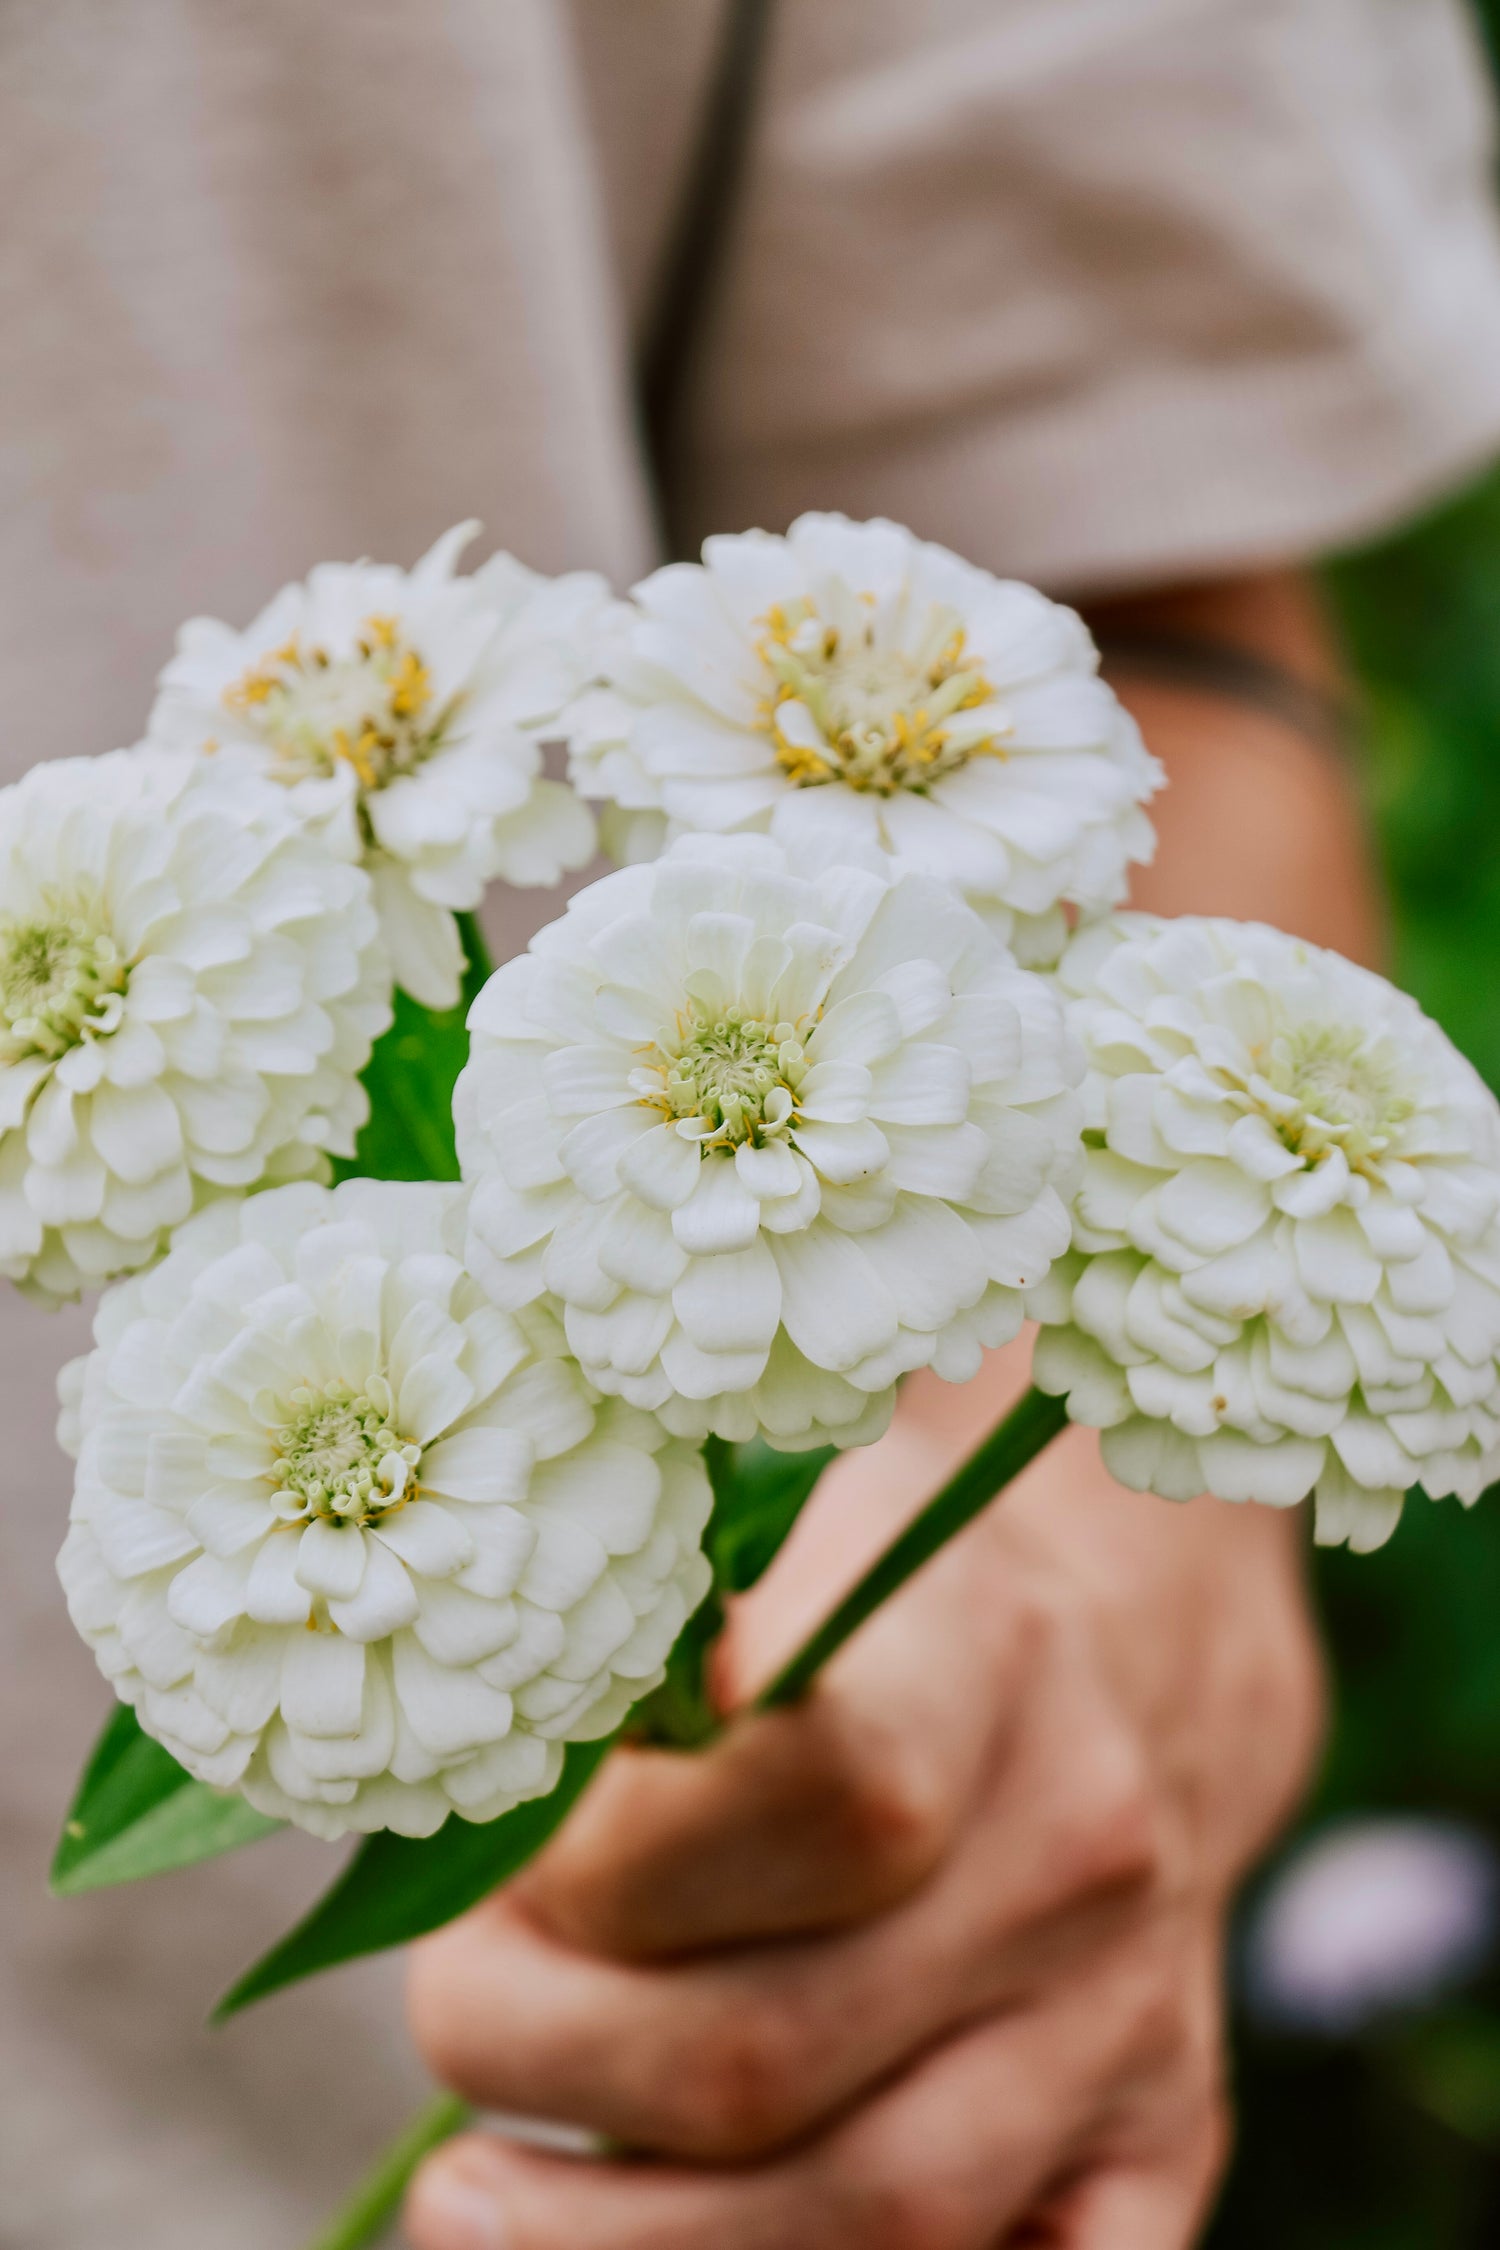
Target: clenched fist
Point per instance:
(931, 1962)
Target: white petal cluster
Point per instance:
(407, 709)
(350, 1539)
(853, 685)
(770, 1139)
(1286, 1266)
(190, 984)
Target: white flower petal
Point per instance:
(1211, 1205)
(1287, 1159)
(434, 1393)
(730, 1302)
(784, 990)
(386, 1599)
(661, 1168)
(613, 1491)
(843, 1153)
(460, 1628)
(924, 1084)
(331, 1560)
(834, 1307)
(208, 1595)
(720, 1214)
(428, 1537)
(567, 1560)
(480, 1464)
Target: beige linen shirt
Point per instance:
(1099, 291)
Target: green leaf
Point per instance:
(137, 1813)
(398, 1887)
(1449, 2064)
(758, 1495)
(410, 1079)
(680, 1714)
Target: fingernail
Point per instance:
(459, 2213)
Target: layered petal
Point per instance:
(337, 1516)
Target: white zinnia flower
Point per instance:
(1286, 1274)
(770, 1140)
(854, 685)
(351, 1540)
(406, 707)
(190, 984)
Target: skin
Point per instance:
(934, 1961)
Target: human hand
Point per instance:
(932, 1960)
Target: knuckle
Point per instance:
(1109, 1835)
(742, 2088)
(891, 1806)
(1216, 2142)
(439, 2006)
(1159, 2031)
(895, 2214)
(898, 1817)
(1173, 2031)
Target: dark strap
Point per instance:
(1221, 668)
(698, 237)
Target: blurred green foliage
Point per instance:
(1392, 2141)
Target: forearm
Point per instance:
(1260, 818)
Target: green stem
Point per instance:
(377, 2199)
(679, 1714)
(478, 967)
(1026, 1431)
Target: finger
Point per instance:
(811, 1819)
(800, 1820)
(730, 2055)
(945, 2158)
(1135, 2210)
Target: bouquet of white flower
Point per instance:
(398, 1505)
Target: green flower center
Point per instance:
(371, 711)
(1341, 1089)
(341, 1456)
(61, 978)
(882, 716)
(735, 1074)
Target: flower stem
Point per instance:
(681, 1716)
(364, 2217)
(478, 967)
(1025, 1432)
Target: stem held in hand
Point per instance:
(377, 2199)
(679, 1714)
(1026, 1431)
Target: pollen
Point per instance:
(880, 708)
(372, 710)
